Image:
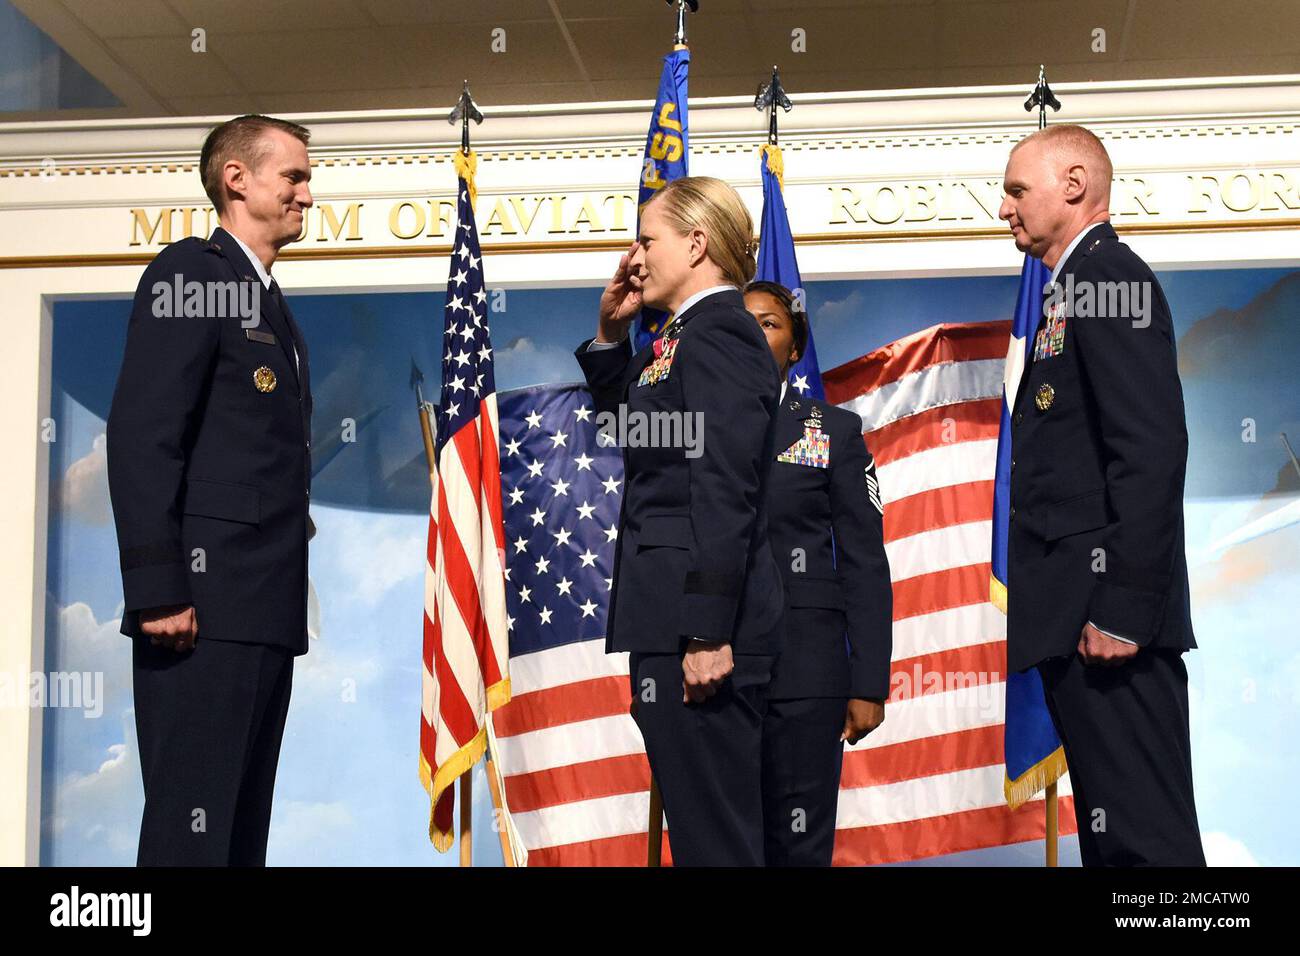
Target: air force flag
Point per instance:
(665, 160)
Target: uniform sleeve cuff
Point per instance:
(155, 585)
(1132, 612)
(1111, 635)
(711, 617)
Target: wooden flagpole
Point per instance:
(467, 818)
(1050, 808)
(655, 831)
(507, 851)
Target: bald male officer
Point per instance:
(209, 468)
(1097, 591)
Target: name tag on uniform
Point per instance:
(813, 450)
(661, 365)
(266, 338)
(1050, 340)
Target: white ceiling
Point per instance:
(296, 56)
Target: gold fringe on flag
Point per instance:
(458, 763)
(998, 594)
(462, 760)
(1048, 770)
(466, 166)
(498, 694)
(1038, 777)
(775, 162)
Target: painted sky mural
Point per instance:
(347, 790)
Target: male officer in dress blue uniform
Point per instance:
(1097, 591)
(697, 595)
(209, 469)
(825, 523)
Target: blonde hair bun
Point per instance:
(711, 205)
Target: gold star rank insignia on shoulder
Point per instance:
(264, 380)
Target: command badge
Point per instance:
(264, 379)
(1044, 397)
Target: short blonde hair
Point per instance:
(710, 205)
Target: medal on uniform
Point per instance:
(1044, 397)
(812, 451)
(264, 380)
(1050, 340)
(665, 347)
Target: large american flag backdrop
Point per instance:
(576, 779)
(930, 780)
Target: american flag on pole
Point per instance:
(930, 780)
(667, 155)
(465, 671)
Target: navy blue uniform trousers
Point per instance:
(1127, 743)
(706, 757)
(802, 758)
(209, 724)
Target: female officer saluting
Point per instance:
(696, 596)
(824, 522)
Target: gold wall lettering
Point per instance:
(1165, 199)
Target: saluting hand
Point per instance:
(621, 300)
(862, 718)
(1096, 648)
(174, 626)
(704, 667)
